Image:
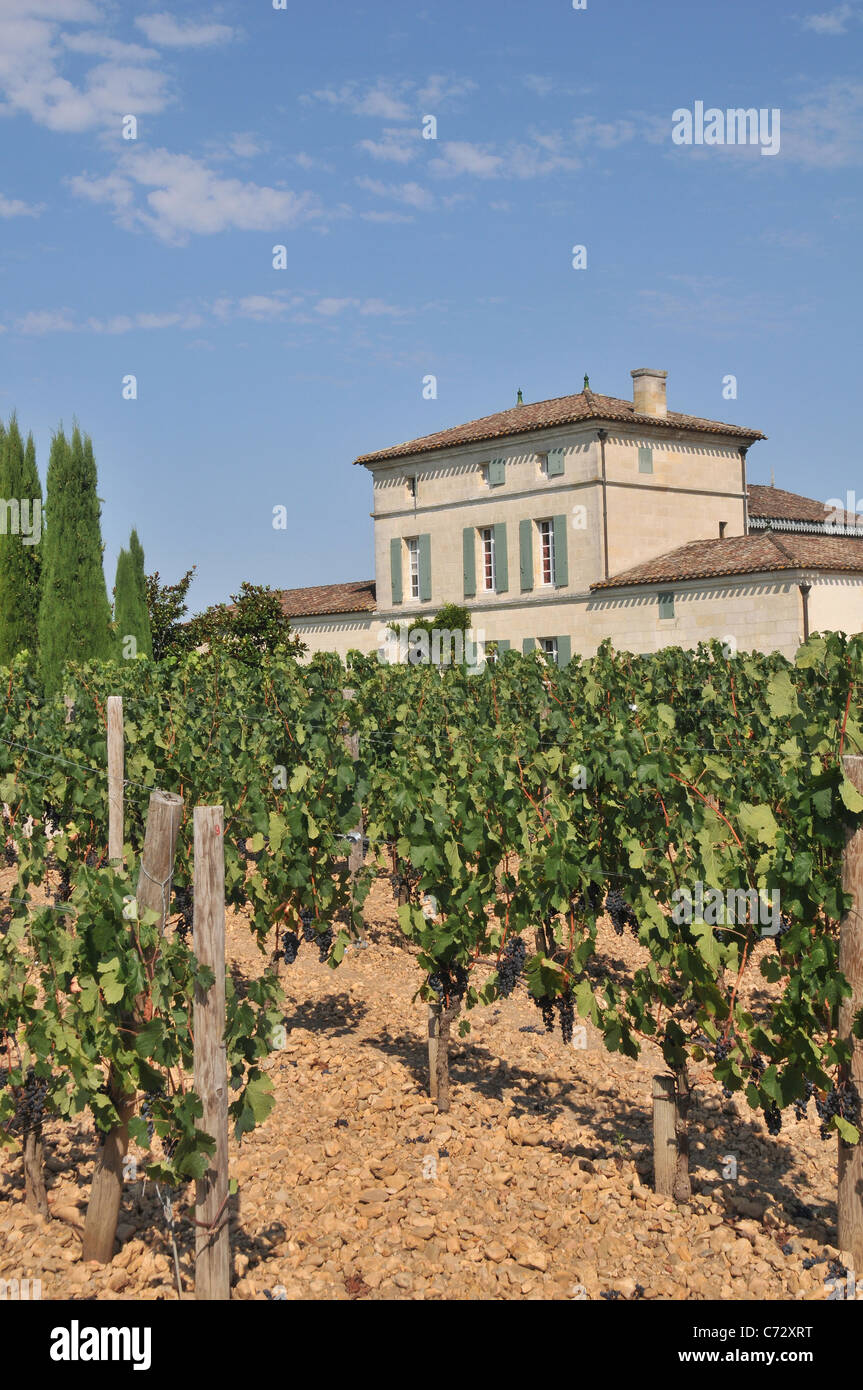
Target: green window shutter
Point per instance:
(496, 472)
(564, 651)
(525, 550)
(468, 537)
(501, 563)
(503, 646)
(396, 569)
(425, 567)
(666, 605)
(561, 562)
(645, 459)
(528, 645)
(555, 462)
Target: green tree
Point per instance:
(74, 614)
(252, 625)
(166, 606)
(131, 615)
(20, 542)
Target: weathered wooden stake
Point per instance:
(664, 1135)
(850, 1238)
(434, 1042)
(115, 777)
(35, 1196)
(153, 892)
(671, 1137)
(212, 1235)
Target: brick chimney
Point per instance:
(648, 391)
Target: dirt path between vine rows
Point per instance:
(536, 1184)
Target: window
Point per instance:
(411, 484)
(546, 547)
(413, 545)
(722, 526)
(666, 605)
(548, 647)
(645, 459)
(487, 540)
(543, 465)
(494, 472)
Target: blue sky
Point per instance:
(407, 256)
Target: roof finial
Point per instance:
(520, 400)
(586, 382)
(772, 479)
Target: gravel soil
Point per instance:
(537, 1184)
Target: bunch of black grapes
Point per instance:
(449, 982)
(842, 1100)
(184, 903)
(510, 966)
(621, 913)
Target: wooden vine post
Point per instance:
(115, 778)
(671, 1136)
(357, 854)
(850, 1202)
(153, 893)
(212, 1231)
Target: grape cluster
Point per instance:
(566, 1015)
(801, 1106)
(546, 1006)
(184, 902)
(30, 1103)
(621, 913)
(64, 887)
(510, 966)
(756, 1066)
(773, 1119)
(9, 855)
(842, 1101)
(291, 944)
(449, 982)
(306, 918)
(324, 942)
(147, 1114)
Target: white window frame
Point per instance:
(543, 465)
(546, 546)
(413, 547)
(489, 559)
(548, 647)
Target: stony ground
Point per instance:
(537, 1184)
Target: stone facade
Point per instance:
(617, 492)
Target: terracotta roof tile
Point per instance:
(786, 506)
(358, 596)
(564, 410)
(744, 555)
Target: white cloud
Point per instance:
(14, 207)
(176, 196)
(32, 59)
(826, 130)
(46, 321)
(245, 146)
(398, 144)
(38, 323)
(836, 21)
(395, 101)
(543, 86)
(413, 194)
(162, 28)
(386, 217)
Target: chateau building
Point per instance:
(563, 522)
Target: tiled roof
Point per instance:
(540, 415)
(744, 555)
(786, 506)
(323, 599)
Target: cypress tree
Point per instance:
(21, 549)
(143, 633)
(74, 615)
(131, 618)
